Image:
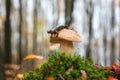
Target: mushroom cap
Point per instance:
(66, 34)
(69, 35)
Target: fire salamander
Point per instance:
(54, 31)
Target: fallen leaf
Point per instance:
(111, 78)
(84, 75)
(50, 78)
(30, 56)
(19, 75)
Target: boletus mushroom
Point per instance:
(65, 37)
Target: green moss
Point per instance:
(68, 66)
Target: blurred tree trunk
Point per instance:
(116, 32)
(20, 31)
(27, 26)
(30, 25)
(89, 10)
(35, 32)
(7, 54)
(40, 28)
(14, 18)
(37, 25)
(68, 11)
(58, 12)
(2, 26)
(23, 25)
(81, 20)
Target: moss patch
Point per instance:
(60, 65)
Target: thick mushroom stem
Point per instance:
(65, 38)
(66, 47)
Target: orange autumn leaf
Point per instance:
(50, 78)
(30, 56)
(20, 75)
(116, 68)
(111, 78)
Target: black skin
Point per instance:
(55, 30)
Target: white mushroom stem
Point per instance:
(66, 46)
(66, 38)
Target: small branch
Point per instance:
(60, 76)
(69, 70)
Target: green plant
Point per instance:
(68, 67)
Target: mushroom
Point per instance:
(65, 38)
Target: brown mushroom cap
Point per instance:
(69, 35)
(66, 34)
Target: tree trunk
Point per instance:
(14, 18)
(68, 11)
(7, 54)
(2, 26)
(117, 31)
(20, 31)
(23, 28)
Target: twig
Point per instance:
(60, 76)
(69, 70)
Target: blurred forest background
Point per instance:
(24, 25)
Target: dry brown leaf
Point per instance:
(84, 75)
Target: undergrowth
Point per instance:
(68, 67)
